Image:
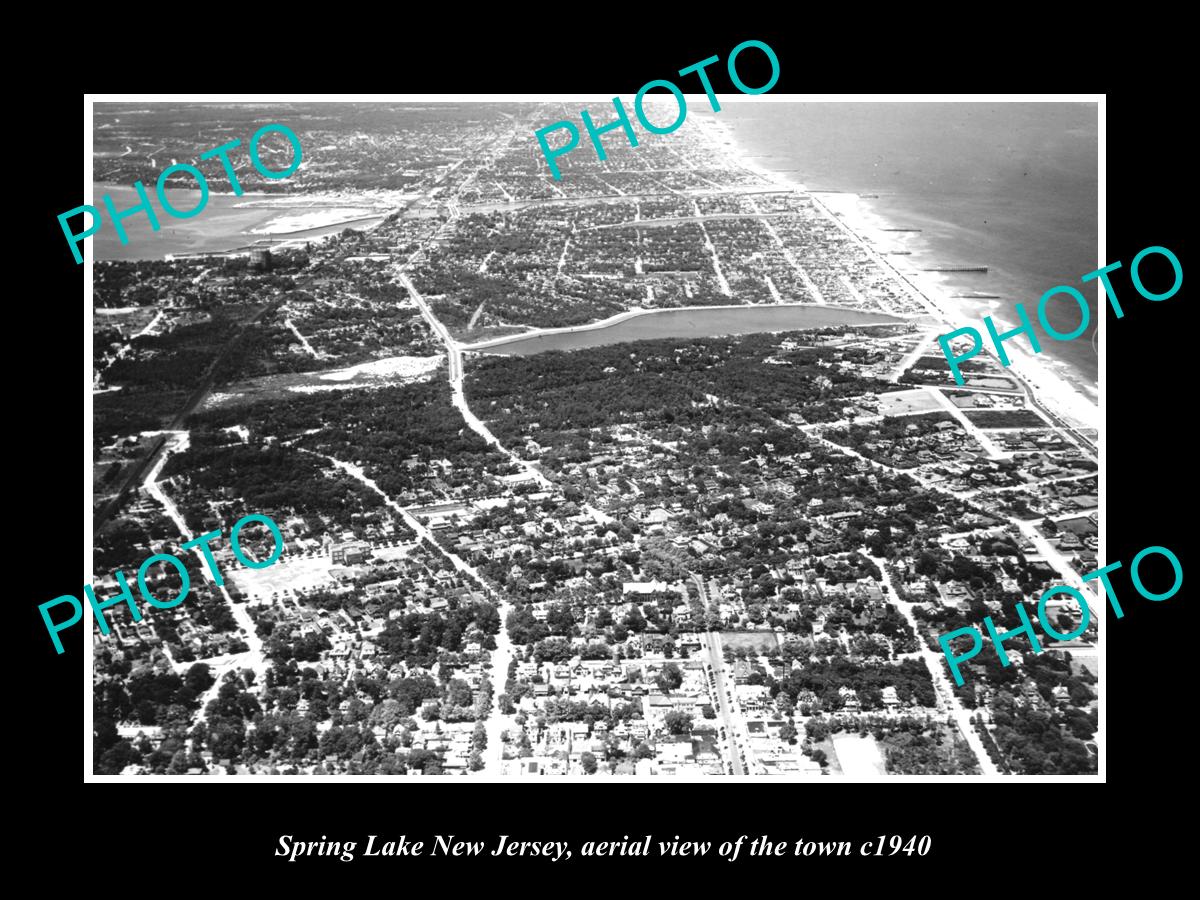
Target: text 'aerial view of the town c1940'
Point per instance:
(654, 470)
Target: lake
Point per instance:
(714, 321)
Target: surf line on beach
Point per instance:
(950, 342)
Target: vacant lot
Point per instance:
(1081, 526)
(859, 756)
(1083, 661)
(374, 374)
(903, 403)
(759, 641)
(294, 572)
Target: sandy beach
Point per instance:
(309, 219)
(1045, 377)
(379, 199)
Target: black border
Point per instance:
(974, 829)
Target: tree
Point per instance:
(199, 678)
(458, 693)
(678, 722)
(386, 714)
(588, 761)
(559, 619)
(116, 758)
(927, 564)
(816, 729)
(356, 712)
(669, 679)
(425, 760)
(179, 763)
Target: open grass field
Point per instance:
(760, 641)
(859, 757)
(904, 403)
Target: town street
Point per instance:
(712, 642)
(218, 666)
(712, 646)
(496, 723)
(941, 683)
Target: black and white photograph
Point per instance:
(453, 437)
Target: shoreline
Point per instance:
(368, 198)
(283, 240)
(269, 235)
(1043, 377)
(327, 211)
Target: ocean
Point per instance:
(1012, 186)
